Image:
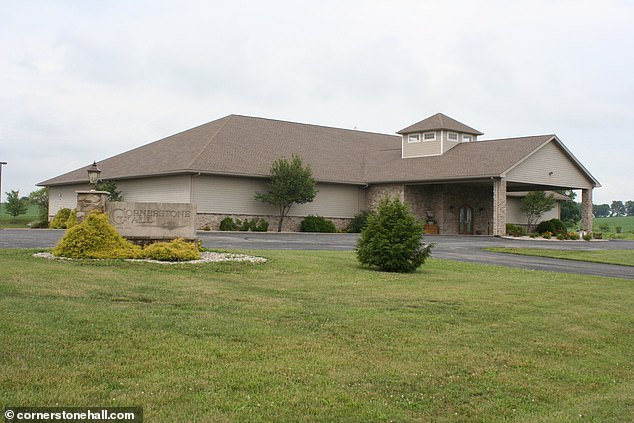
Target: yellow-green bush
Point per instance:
(59, 221)
(72, 219)
(95, 238)
(176, 250)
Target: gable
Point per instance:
(550, 165)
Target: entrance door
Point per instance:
(465, 226)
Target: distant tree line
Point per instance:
(617, 208)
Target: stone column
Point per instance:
(88, 201)
(499, 206)
(586, 209)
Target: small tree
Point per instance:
(15, 205)
(111, 187)
(290, 183)
(39, 198)
(392, 239)
(535, 204)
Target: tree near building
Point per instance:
(391, 240)
(15, 206)
(290, 183)
(535, 204)
(111, 187)
(570, 212)
(39, 198)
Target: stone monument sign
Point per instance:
(153, 221)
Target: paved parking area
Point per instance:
(460, 248)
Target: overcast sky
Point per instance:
(85, 80)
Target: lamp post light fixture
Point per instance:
(1, 164)
(93, 174)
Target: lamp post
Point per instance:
(93, 175)
(1, 164)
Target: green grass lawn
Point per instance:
(622, 257)
(311, 336)
(21, 221)
(625, 222)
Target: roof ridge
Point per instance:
(315, 125)
(202, 150)
(515, 138)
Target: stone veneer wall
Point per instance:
(211, 221)
(445, 200)
(377, 192)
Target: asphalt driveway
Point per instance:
(459, 248)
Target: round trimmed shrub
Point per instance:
(554, 226)
(176, 250)
(359, 221)
(227, 224)
(392, 239)
(60, 219)
(515, 230)
(95, 238)
(317, 224)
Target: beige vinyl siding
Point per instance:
(422, 148)
(550, 158)
(234, 195)
(63, 196)
(166, 189)
(515, 215)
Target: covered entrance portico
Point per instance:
(476, 207)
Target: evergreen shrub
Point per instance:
(227, 224)
(317, 224)
(554, 226)
(176, 250)
(72, 219)
(392, 239)
(60, 218)
(359, 221)
(515, 230)
(95, 238)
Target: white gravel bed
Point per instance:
(205, 257)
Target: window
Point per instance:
(429, 136)
(413, 138)
(452, 136)
(467, 138)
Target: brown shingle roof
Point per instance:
(439, 121)
(467, 160)
(241, 145)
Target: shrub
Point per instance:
(227, 224)
(176, 250)
(573, 235)
(260, 225)
(95, 238)
(618, 229)
(561, 236)
(392, 239)
(317, 224)
(554, 226)
(604, 227)
(587, 236)
(547, 235)
(597, 235)
(72, 219)
(515, 230)
(59, 221)
(359, 221)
